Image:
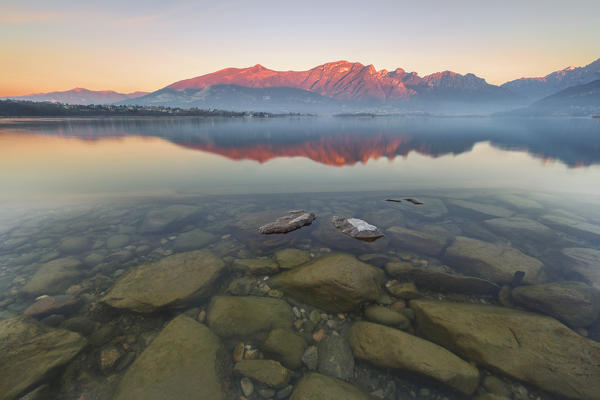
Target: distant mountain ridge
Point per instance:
(331, 87)
(538, 88)
(580, 100)
(81, 96)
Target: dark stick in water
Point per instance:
(415, 202)
(394, 200)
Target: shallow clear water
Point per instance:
(117, 194)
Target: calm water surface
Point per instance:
(88, 203)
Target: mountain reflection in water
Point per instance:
(344, 141)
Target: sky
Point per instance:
(147, 44)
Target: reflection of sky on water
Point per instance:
(131, 156)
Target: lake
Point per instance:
(131, 258)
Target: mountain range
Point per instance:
(344, 86)
(81, 96)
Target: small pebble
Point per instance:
(247, 386)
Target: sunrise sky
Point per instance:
(148, 44)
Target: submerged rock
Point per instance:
(185, 361)
(529, 347)
(335, 357)
(442, 282)
(170, 282)
(53, 277)
(336, 283)
(318, 386)
(51, 305)
(518, 226)
(483, 208)
(74, 245)
(489, 261)
(586, 264)
(30, 352)
(249, 316)
(256, 266)
(117, 241)
(574, 303)
(390, 348)
(285, 346)
(357, 228)
(421, 242)
(294, 220)
(290, 258)
(385, 316)
(167, 217)
(581, 226)
(194, 239)
(269, 372)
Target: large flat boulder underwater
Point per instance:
(574, 303)
(185, 361)
(166, 218)
(586, 263)
(391, 348)
(529, 347)
(248, 316)
(53, 277)
(489, 261)
(170, 282)
(31, 352)
(335, 283)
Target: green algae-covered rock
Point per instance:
(285, 346)
(248, 316)
(421, 242)
(194, 239)
(185, 361)
(390, 348)
(170, 282)
(533, 348)
(269, 372)
(334, 283)
(574, 303)
(53, 277)
(314, 386)
(30, 352)
(290, 258)
(489, 261)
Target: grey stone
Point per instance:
(269, 372)
(335, 357)
(310, 358)
(293, 220)
(318, 386)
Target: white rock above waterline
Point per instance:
(357, 228)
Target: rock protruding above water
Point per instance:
(335, 283)
(248, 316)
(317, 386)
(489, 261)
(51, 304)
(30, 351)
(586, 263)
(390, 348)
(421, 242)
(183, 362)
(574, 303)
(529, 347)
(293, 220)
(53, 277)
(165, 218)
(269, 372)
(285, 346)
(357, 228)
(170, 282)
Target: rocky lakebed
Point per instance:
(470, 294)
